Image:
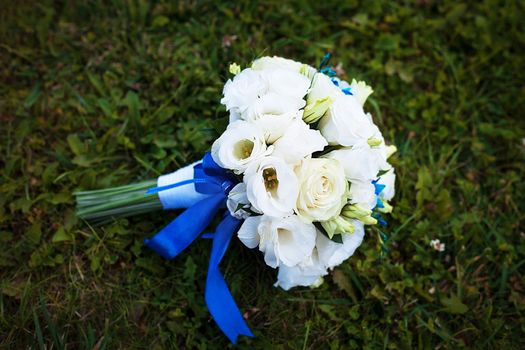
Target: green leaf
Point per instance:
(388, 42)
(34, 233)
(454, 305)
(59, 198)
(97, 84)
(77, 146)
(105, 107)
(133, 104)
(33, 96)
(61, 236)
(342, 281)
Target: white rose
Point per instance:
(238, 146)
(332, 253)
(271, 186)
(307, 274)
(286, 82)
(322, 189)
(298, 142)
(345, 123)
(243, 90)
(389, 180)
(360, 90)
(238, 203)
(284, 241)
(273, 113)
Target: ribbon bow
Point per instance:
(209, 178)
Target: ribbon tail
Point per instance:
(218, 297)
(182, 231)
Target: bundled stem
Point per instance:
(101, 206)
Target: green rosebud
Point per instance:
(354, 211)
(235, 68)
(316, 110)
(390, 150)
(337, 225)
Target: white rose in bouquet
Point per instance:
(273, 113)
(323, 189)
(298, 142)
(271, 186)
(332, 253)
(238, 146)
(284, 241)
(243, 90)
(345, 123)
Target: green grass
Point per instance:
(104, 93)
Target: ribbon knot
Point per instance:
(209, 178)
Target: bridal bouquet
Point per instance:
(300, 169)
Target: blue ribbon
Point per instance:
(209, 178)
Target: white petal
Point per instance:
(389, 180)
(248, 233)
(345, 123)
(306, 276)
(363, 193)
(286, 82)
(332, 254)
(289, 148)
(361, 91)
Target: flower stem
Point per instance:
(102, 206)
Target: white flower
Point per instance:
(238, 146)
(332, 253)
(276, 62)
(321, 96)
(437, 245)
(286, 82)
(298, 142)
(322, 87)
(238, 203)
(345, 123)
(360, 90)
(322, 189)
(284, 241)
(271, 186)
(307, 274)
(389, 180)
(363, 193)
(273, 113)
(243, 90)
(361, 163)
